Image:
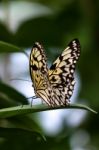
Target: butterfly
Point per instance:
(54, 85)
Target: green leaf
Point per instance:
(21, 134)
(10, 96)
(6, 47)
(25, 109)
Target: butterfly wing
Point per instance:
(61, 73)
(39, 73)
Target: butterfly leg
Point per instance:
(33, 97)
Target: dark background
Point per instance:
(65, 21)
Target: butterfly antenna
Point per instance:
(33, 97)
(19, 79)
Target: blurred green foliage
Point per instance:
(67, 20)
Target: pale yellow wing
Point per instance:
(39, 75)
(61, 73)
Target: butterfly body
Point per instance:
(55, 85)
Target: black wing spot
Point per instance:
(61, 57)
(67, 61)
(35, 58)
(36, 45)
(63, 69)
(34, 67)
(42, 68)
(53, 67)
(61, 77)
(53, 79)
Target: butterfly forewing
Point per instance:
(39, 71)
(61, 73)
